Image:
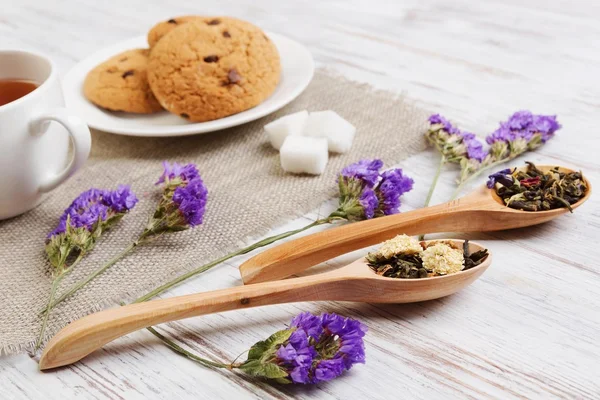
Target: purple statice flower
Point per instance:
(173, 171)
(392, 186)
(349, 333)
(369, 202)
(80, 217)
(475, 150)
(95, 205)
(82, 223)
(520, 120)
(338, 344)
(524, 125)
(309, 323)
(120, 200)
(296, 356)
(60, 228)
(316, 348)
(546, 125)
(474, 147)
(452, 143)
(503, 177)
(358, 201)
(191, 201)
(183, 201)
(502, 134)
(366, 171)
(437, 119)
(326, 370)
(366, 193)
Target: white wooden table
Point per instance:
(529, 328)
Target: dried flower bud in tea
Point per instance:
(401, 244)
(441, 259)
(405, 257)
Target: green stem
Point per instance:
(206, 267)
(65, 272)
(55, 284)
(178, 349)
(462, 184)
(96, 273)
(433, 185)
(435, 180)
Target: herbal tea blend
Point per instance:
(406, 257)
(535, 190)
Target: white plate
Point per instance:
(297, 68)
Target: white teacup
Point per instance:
(34, 135)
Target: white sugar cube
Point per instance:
(292, 124)
(328, 124)
(304, 154)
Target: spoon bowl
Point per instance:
(480, 211)
(354, 282)
(545, 168)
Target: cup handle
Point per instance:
(80, 137)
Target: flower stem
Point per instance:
(178, 349)
(433, 185)
(206, 267)
(462, 184)
(435, 180)
(55, 284)
(96, 273)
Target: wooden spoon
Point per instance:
(480, 211)
(354, 282)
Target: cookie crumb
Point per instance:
(211, 59)
(128, 73)
(214, 22)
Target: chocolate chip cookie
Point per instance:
(162, 28)
(121, 84)
(209, 69)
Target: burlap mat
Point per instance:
(248, 194)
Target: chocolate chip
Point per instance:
(245, 301)
(184, 115)
(226, 34)
(233, 76)
(214, 22)
(172, 21)
(127, 73)
(211, 59)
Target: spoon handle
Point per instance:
(299, 254)
(88, 334)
